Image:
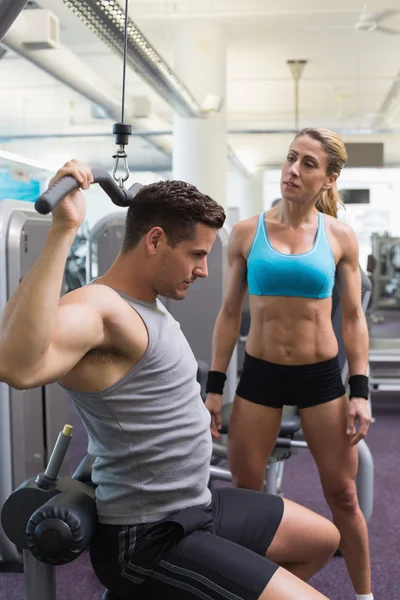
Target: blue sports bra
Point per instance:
(307, 275)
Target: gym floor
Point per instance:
(301, 484)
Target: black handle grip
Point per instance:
(55, 194)
(119, 196)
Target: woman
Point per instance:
(290, 258)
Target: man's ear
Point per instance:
(154, 238)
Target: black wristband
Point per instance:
(359, 386)
(215, 382)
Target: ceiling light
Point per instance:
(106, 19)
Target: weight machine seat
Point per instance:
(84, 470)
(289, 426)
(55, 524)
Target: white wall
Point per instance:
(380, 215)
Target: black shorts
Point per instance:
(213, 553)
(274, 385)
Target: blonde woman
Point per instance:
(290, 257)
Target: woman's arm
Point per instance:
(355, 329)
(227, 325)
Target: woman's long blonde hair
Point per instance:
(329, 201)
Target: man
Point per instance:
(130, 372)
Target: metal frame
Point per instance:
(29, 419)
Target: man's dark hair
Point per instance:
(176, 207)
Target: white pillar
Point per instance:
(255, 195)
(200, 145)
(246, 193)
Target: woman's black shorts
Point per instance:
(274, 385)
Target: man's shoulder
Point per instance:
(98, 296)
(124, 332)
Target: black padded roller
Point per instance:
(60, 530)
(18, 509)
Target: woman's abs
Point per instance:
(291, 331)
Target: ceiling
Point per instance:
(349, 83)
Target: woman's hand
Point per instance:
(358, 411)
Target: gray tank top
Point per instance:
(150, 431)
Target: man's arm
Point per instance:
(40, 340)
(355, 329)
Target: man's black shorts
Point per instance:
(214, 553)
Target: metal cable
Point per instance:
(124, 61)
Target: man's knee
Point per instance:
(330, 538)
(286, 586)
(322, 542)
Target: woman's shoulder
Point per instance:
(246, 226)
(338, 224)
(243, 233)
(341, 230)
